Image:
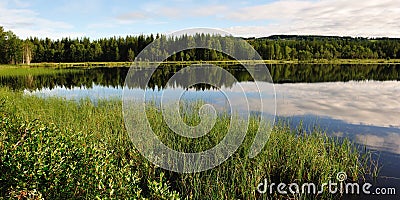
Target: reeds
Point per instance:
(77, 149)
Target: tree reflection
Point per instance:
(282, 73)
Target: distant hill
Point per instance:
(316, 37)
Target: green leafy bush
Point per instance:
(38, 160)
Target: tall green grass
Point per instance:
(56, 148)
(17, 71)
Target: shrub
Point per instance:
(38, 160)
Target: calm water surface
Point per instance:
(360, 102)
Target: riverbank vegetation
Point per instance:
(219, 63)
(54, 148)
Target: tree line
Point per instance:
(278, 47)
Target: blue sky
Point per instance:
(102, 18)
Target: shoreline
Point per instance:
(233, 62)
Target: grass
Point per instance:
(54, 148)
(70, 65)
(124, 64)
(33, 71)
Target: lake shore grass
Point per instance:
(33, 71)
(226, 62)
(57, 148)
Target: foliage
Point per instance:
(58, 149)
(38, 159)
(284, 47)
(10, 47)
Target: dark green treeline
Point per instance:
(114, 49)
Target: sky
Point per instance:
(106, 18)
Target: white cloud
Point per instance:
(132, 16)
(179, 12)
(19, 3)
(214, 10)
(277, 10)
(46, 33)
(83, 7)
(125, 19)
(368, 18)
(366, 102)
(24, 23)
(389, 142)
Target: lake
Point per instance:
(360, 102)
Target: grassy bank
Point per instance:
(32, 71)
(70, 65)
(65, 149)
(124, 64)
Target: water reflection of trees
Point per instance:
(331, 72)
(115, 77)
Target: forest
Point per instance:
(14, 50)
